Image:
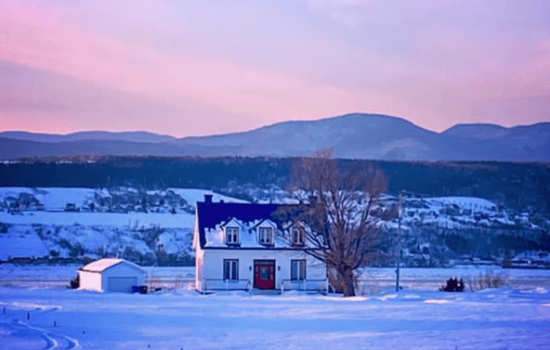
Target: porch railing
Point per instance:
(320, 285)
(305, 285)
(221, 284)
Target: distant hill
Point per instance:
(131, 136)
(477, 131)
(493, 142)
(353, 136)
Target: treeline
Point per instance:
(519, 186)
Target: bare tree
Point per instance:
(344, 235)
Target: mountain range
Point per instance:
(354, 136)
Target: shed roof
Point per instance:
(104, 264)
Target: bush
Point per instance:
(39, 230)
(65, 244)
(488, 279)
(75, 283)
(76, 250)
(453, 285)
(4, 227)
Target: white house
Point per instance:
(111, 275)
(240, 246)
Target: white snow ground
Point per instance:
(493, 319)
(517, 317)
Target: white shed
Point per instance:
(111, 275)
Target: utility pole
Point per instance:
(397, 270)
(400, 211)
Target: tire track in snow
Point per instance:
(37, 307)
(16, 326)
(53, 340)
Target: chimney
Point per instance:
(208, 198)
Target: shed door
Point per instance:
(121, 284)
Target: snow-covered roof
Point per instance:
(212, 218)
(104, 264)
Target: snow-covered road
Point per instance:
(493, 319)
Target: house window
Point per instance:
(298, 270)
(298, 236)
(231, 270)
(266, 235)
(232, 235)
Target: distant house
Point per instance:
(71, 207)
(111, 275)
(241, 246)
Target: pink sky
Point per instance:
(197, 68)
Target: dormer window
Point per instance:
(266, 235)
(232, 235)
(298, 236)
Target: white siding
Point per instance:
(90, 281)
(212, 268)
(199, 261)
(99, 281)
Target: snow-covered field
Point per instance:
(58, 276)
(372, 280)
(418, 317)
(55, 198)
(133, 220)
(65, 319)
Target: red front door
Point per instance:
(264, 274)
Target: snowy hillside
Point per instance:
(454, 212)
(144, 226)
(443, 231)
(155, 226)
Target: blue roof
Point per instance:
(212, 214)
